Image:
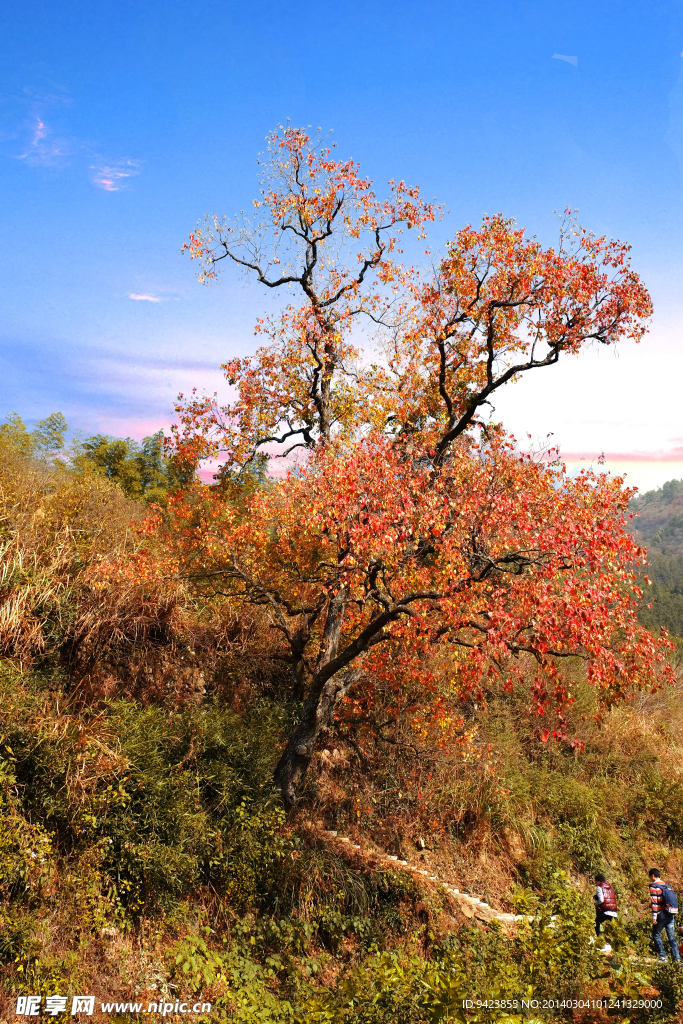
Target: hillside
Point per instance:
(659, 528)
(145, 857)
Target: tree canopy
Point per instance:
(140, 469)
(416, 544)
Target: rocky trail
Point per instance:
(471, 905)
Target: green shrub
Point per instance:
(158, 802)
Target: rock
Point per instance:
(486, 914)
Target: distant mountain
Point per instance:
(660, 518)
(659, 528)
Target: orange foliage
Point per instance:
(373, 564)
(415, 526)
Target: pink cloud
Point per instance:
(145, 298)
(673, 455)
(114, 177)
(121, 426)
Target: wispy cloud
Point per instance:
(145, 298)
(114, 177)
(569, 60)
(45, 149)
(35, 131)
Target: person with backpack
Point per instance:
(605, 902)
(664, 904)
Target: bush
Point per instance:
(168, 800)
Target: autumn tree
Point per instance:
(318, 228)
(415, 526)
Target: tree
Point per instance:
(371, 565)
(498, 305)
(414, 527)
(49, 436)
(43, 443)
(141, 470)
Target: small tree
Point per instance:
(415, 526)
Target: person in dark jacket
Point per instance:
(605, 902)
(662, 919)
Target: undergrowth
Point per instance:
(142, 848)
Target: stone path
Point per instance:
(472, 906)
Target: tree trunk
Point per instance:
(317, 718)
(318, 712)
(298, 647)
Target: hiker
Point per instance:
(605, 902)
(664, 903)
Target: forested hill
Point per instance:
(659, 527)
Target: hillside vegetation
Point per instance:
(233, 712)
(659, 528)
(145, 854)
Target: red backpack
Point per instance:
(609, 899)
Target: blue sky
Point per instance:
(122, 124)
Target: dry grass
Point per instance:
(53, 524)
(150, 641)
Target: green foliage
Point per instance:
(476, 976)
(558, 944)
(141, 470)
(661, 802)
(665, 595)
(180, 799)
(25, 848)
(249, 987)
(668, 979)
(523, 899)
(15, 440)
(49, 436)
(659, 526)
(251, 997)
(18, 939)
(195, 965)
(627, 974)
(44, 442)
(383, 989)
(50, 974)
